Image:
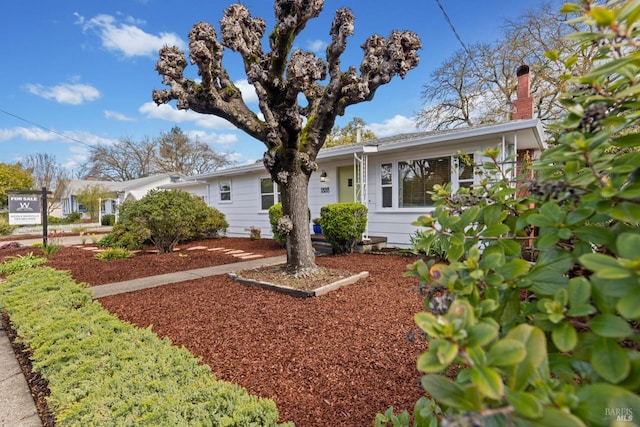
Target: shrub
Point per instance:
(103, 371)
(5, 228)
(553, 341)
(108, 220)
(170, 217)
(131, 236)
(21, 262)
(73, 217)
(215, 223)
(114, 253)
(343, 224)
(275, 213)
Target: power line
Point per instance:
(45, 128)
(455, 32)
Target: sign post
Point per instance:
(25, 209)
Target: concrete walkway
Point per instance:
(17, 408)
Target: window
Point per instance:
(225, 191)
(417, 177)
(386, 180)
(269, 193)
(464, 170)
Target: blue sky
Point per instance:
(84, 69)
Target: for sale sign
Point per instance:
(24, 210)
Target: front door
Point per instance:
(345, 184)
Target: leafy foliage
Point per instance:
(108, 219)
(13, 177)
(5, 227)
(21, 262)
(90, 195)
(168, 217)
(343, 224)
(103, 371)
(114, 253)
(552, 339)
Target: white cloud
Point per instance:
(117, 116)
(35, 134)
(317, 46)
(248, 91)
(168, 113)
(223, 139)
(29, 134)
(66, 93)
(128, 39)
(393, 126)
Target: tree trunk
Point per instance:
(295, 206)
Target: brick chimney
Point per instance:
(523, 107)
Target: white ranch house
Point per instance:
(389, 175)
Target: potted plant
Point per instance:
(316, 226)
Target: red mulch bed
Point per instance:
(337, 359)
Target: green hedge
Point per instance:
(103, 371)
(343, 224)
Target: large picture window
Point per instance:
(417, 177)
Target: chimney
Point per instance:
(523, 107)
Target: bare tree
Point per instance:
(279, 77)
(47, 172)
(126, 159)
(478, 85)
(354, 131)
(177, 153)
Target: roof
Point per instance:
(529, 132)
(121, 186)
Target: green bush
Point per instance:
(275, 213)
(103, 371)
(131, 236)
(554, 340)
(73, 217)
(108, 220)
(5, 228)
(113, 253)
(343, 224)
(215, 223)
(21, 262)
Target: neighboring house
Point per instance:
(133, 189)
(391, 176)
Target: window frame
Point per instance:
(221, 191)
(275, 194)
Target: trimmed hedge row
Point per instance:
(103, 371)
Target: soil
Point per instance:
(332, 360)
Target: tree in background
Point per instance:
(125, 160)
(280, 78)
(477, 85)
(91, 196)
(13, 177)
(349, 133)
(47, 172)
(177, 153)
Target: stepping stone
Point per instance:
(88, 248)
(241, 254)
(251, 256)
(237, 251)
(196, 248)
(216, 249)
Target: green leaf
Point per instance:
(564, 336)
(427, 322)
(553, 212)
(481, 334)
(493, 214)
(626, 211)
(540, 220)
(495, 230)
(513, 269)
(525, 404)
(488, 381)
(604, 266)
(445, 391)
(596, 399)
(610, 326)
(506, 352)
(455, 252)
(579, 215)
(553, 417)
(535, 345)
(610, 361)
(579, 291)
(629, 305)
(628, 245)
(439, 355)
(595, 234)
(446, 352)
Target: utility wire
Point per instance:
(45, 128)
(455, 32)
